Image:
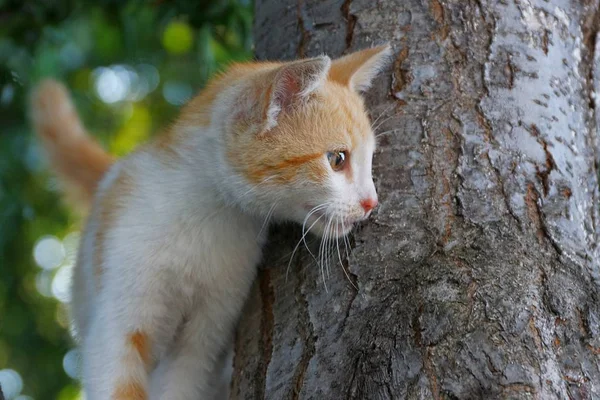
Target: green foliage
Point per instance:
(129, 65)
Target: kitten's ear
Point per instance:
(292, 84)
(357, 70)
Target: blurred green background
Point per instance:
(129, 65)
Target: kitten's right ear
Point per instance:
(357, 70)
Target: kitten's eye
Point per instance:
(337, 159)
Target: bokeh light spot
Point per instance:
(178, 37)
(122, 82)
(110, 86)
(72, 363)
(48, 252)
(7, 94)
(11, 383)
(61, 284)
(177, 93)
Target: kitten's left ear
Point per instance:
(357, 70)
(294, 82)
(280, 90)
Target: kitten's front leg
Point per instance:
(195, 363)
(129, 332)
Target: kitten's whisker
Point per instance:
(325, 251)
(254, 187)
(383, 122)
(268, 217)
(321, 254)
(323, 206)
(340, 256)
(386, 132)
(346, 242)
(337, 233)
(304, 233)
(296, 248)
(388, 108)
(331, 245)
(326, 246)
(287, 255)
(321, 258)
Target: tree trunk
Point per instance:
(479, 275)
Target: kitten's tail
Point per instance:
(78, 160)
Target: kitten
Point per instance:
(175, 231)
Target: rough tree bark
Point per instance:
(479, 275)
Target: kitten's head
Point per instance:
(300, 141)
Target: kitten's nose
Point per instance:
(368, 204)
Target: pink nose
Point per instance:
(368, 204)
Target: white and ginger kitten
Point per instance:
(175, 229)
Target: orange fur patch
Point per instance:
(283, 171)
(139, 341)
(129, 391)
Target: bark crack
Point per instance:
(267, 325)
(481, 117)
(437, 10)
(500, 183)
(545, 41)
(534, 211)
(430, 371)
(350, 393)
(350, 22)
(550, 164)
(354, 290)
(306, 331)
(428, 366)
(510, 71)
(401, 76)
(535, 333)
(305, 30)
